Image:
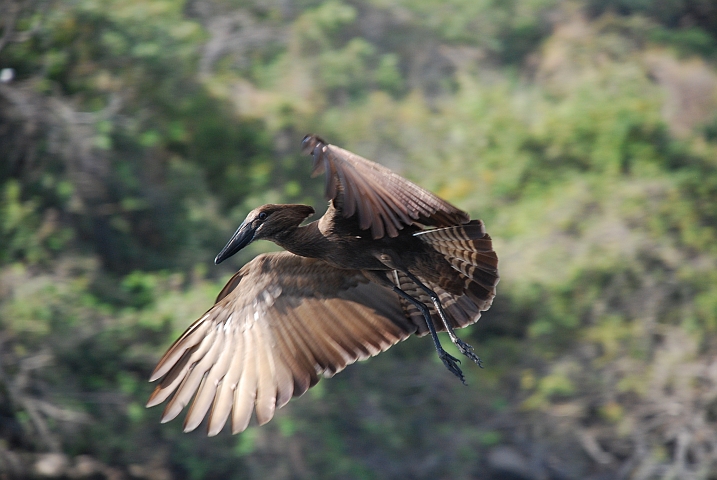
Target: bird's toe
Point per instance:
(467, 350)
(451, 364)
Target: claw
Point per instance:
(467, 350)
(451, 364)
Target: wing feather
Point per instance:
(298, 357)
(345, 334)
(383, 201)
(176, 382)
(284, 381)
(224, 399)
(245, 394)
(282, 321)
(266, 376)
(209, 389)
(327, 352)
(171, 380)
(195, 376)
(193, 336)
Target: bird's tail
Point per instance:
(466, 283)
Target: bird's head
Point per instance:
(264, 222)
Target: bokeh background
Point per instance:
(136, 135)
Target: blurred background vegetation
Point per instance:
(136, 134)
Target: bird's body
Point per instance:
(340, 243)
(363, 277)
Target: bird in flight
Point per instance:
(387, 260)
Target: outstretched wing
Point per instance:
(277, 325)
(385, 201)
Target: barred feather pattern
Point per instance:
(471, 263)
(461, 310)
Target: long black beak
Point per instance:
(241, 238)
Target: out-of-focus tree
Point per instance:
(135, 135)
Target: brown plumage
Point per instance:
(387, 260)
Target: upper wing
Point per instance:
(385, 201)
(279, 323)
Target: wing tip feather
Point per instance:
(155, 398)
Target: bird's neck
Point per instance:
(305, 240)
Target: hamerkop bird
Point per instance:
(387, 260)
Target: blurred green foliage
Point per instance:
(136, 135)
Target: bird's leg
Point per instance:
(448, 360)
(462, 346)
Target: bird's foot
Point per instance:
(467, 350)
(451, 364)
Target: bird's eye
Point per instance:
(262, 216)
